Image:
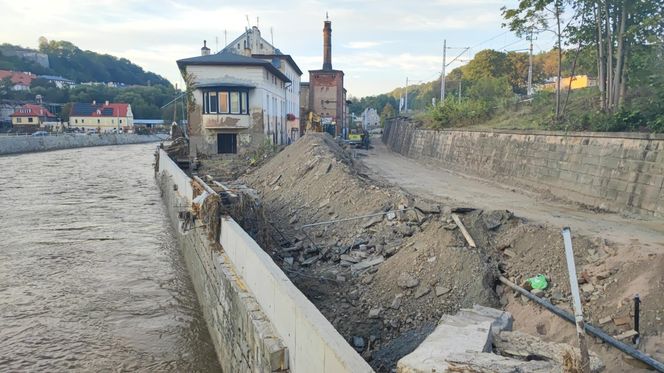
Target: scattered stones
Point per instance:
(441, 290)
(293, 220)
(422, 291)
(537, 292)
(426, 207)
(374, 313)
(623, 320)
(605, 320)
(289, 260)
(406, 280)
(391, 215)
(396, 303)
(358, 343)
(587, 288)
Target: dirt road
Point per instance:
(643, 236)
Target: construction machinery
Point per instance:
(313, 123)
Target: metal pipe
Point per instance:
(637, 310)
(578, 309)
(592, 330)
(204, 185)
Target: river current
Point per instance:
(90, 275)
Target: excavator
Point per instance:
(313, 123)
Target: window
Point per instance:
(120, 121)
(18, 120)
(82, 120)
(223, 102)
(30, 120)
(98, 121)
(226, 143)
(226, 101)
(235, 102)
(76, 121)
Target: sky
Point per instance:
(377, 43)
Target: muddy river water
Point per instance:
(90, 276)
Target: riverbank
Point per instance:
(31, 144)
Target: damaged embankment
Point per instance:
(257, 319)
(384, 281)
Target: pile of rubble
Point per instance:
(384, 266)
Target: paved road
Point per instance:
(447, 186)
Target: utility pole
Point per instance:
(459, 90)
(530, 65)
(406, 98)
(442, 76)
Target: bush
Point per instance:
(455, 113)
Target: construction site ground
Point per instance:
(385, 279)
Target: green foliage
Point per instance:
(67, 60)
(387, 113)
(455, 113)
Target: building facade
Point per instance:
(370, 118)
(29, 118)
(20, 81)
(327, 95)
(243, 96)
(105, 117)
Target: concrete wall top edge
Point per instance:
(614, 135)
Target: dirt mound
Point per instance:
(390, 264)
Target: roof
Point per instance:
(287, 57)
(82, 109)
(32, 110)
(230, 59)
(18, 77)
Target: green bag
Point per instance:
(538, 282)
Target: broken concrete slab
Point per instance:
(427, 207)
(422, 291)
(367, 263)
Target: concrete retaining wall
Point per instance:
(28, 144)
(259, 321)
(244, 339)
(622, 172)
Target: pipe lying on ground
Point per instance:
(593, 330)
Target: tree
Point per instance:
(487, 63)
(387, 113)
(532, 16)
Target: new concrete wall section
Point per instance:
(28, 144)
(313, 343)
(243, 336)
(242, 279)
(621, 172)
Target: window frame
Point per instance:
(242, 95)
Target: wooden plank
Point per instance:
(463, 230)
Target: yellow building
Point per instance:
(30, 117)
(577, 81)
(104, 117)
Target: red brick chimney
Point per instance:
(327, 45)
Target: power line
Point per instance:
(512, 43)
(490, 39)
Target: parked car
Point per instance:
(40, 133)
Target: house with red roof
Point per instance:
(105, 117)
(21, 81)
(29, 117)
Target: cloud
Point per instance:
(364, 44)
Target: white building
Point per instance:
(243, 95)
(370, 118)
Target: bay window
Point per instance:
(225, 101)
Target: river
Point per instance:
(90, 275)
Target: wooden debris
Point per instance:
(463, 230)
(623, 320)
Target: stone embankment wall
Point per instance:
(259, 321)
(621, 172)
(29, 144)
